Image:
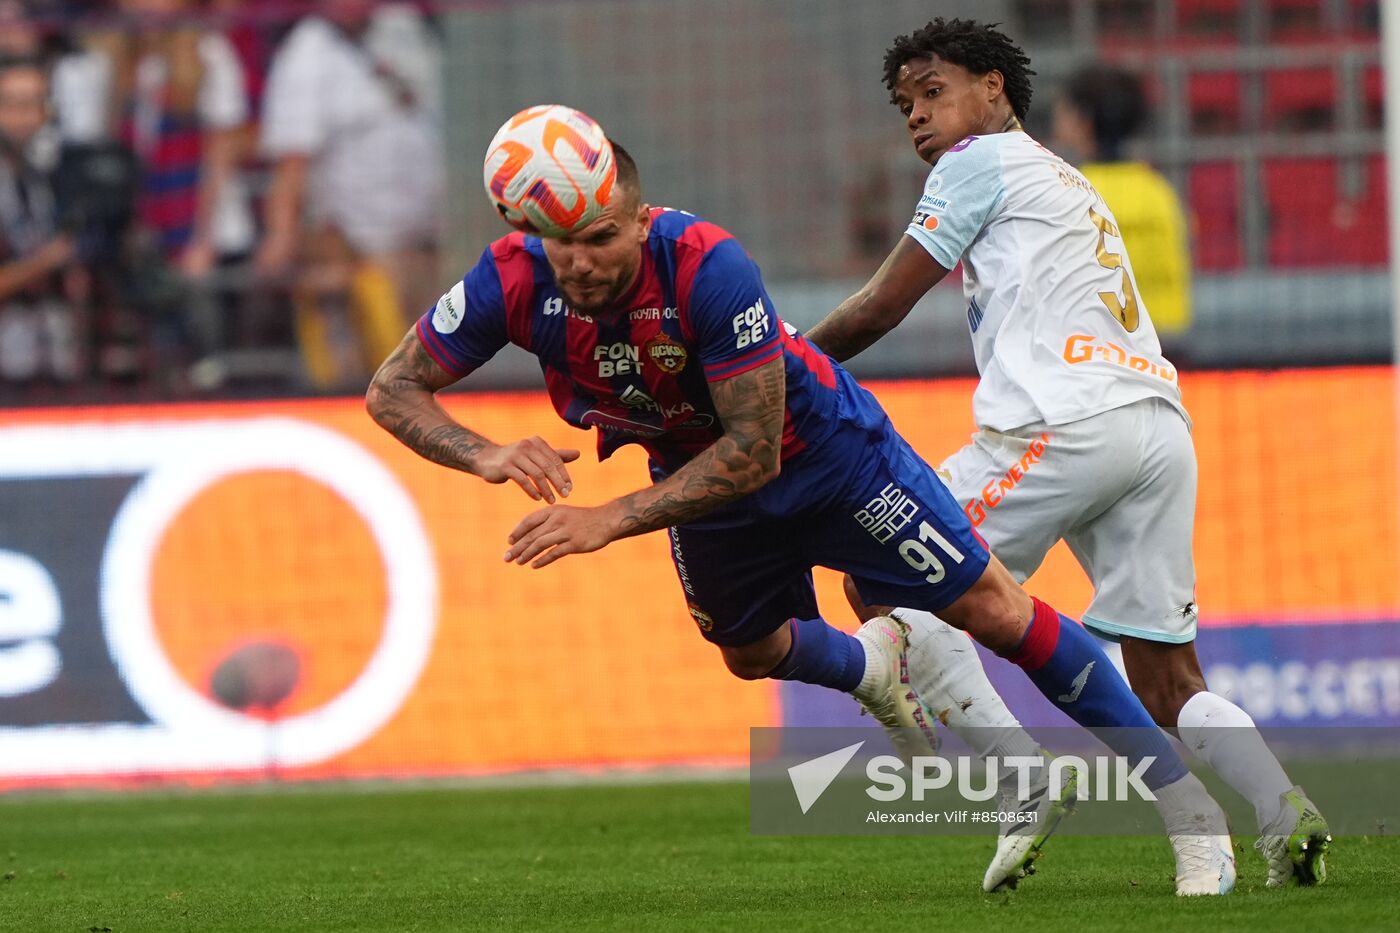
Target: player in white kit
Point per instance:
(1082, 432)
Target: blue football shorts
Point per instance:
(874, 510)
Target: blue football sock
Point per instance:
(822, 655)
(1068, 666)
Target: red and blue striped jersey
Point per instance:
(639, 371)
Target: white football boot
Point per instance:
(885, 692)
(1019, 844)
(1295, 845)
(1205, 861)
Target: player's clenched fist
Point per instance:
(559, 530)
(532, 463)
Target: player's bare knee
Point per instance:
(753, 662)
(995, 610)
(744, 669)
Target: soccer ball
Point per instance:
(549, 170)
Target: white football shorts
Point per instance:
(1118, 487)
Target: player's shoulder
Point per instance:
(514, 248)
(508, 273)
(968, 174)
(976, 149)
(683, 230)
(991, 151)
(975, 160)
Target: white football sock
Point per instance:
(1224, 737)
(874, 671)
(1187, 809)
(946, 671)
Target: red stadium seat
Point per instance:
(1300, 99)
(1118, 18)
(1214, 198)
(1295, 20)
(1216, 19)
(1315, 221)
(1213, 100)
(1298, 194)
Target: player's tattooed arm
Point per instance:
(751, 407)
(746, 457)
(402, 399)
(904, 277)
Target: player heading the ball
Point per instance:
(766, 459)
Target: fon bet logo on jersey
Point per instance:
(698, 297)
(752, 325)
(617, 359)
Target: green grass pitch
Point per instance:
(651, 857)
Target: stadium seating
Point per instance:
(1283, 73)
(1213, 192)
(1300, 100)
(1214, 102)
(1317, 218)
(1209, 18)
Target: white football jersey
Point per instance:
(1058, 328)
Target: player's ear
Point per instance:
(994, 83)
(644, 218)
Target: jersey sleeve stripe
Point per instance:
(694, 246)
(439, 351)
(726, 369)
(515, 270)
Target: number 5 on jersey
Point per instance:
(1126, 309)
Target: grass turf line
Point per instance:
(667, 857)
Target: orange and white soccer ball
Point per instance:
(549, 170)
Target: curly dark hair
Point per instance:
(977, 47)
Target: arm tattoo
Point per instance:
(401, 399)
(745, 458)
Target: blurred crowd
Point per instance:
(208, 195)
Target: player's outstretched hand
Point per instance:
(556, 531)
(532, 463)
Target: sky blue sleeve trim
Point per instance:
(1112, 631)
(937, 248)
(932, 247)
